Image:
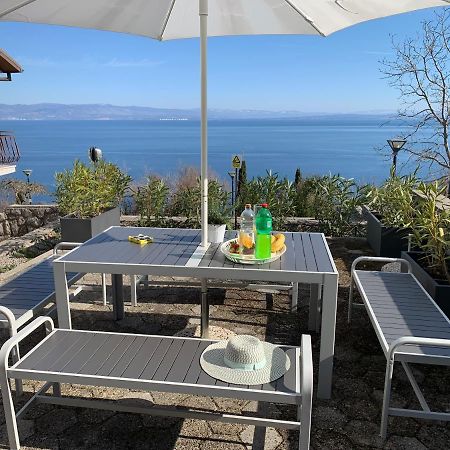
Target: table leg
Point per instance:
(117, 296)
(314, 299)
(294, 297)
(329, 307)
(62, 295)
(204, 311)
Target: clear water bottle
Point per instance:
(263, 225)
(246, 231)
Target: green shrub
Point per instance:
(431, 229)
(186, 201)
(280, 194)
(88, 190)
(337, 201)
(393, 201)
(151, 201)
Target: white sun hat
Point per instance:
(244, 359)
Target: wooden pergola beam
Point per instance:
(8, 66)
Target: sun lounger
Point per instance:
(25, 296)
(148, 363)
(410, 327)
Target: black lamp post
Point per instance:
(233, 195)
(396, 145)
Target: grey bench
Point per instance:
(149, 363)
(410, 327)
(25, 296)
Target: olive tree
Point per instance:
(420, 70)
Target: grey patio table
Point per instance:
(177, 252)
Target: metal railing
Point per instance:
(9, 150)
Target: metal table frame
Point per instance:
(324, 287)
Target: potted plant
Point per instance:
(217, 225)
(89, 197)
(219, 212)
(431, 234)
(389, 213)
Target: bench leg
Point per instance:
(133, 288)
(104, 289)
(386, 398)
(10, 414)
(350, 302)
(204, 310)
(304, 417)
(56, 389)
(294, 297)
(144, 281)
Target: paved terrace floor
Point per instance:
(349, 421)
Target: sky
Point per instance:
(337, 74)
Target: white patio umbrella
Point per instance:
(177, 19)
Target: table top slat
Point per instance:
(321, 254)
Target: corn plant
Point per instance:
(393, 201)
(337, 201)
(88, 190)
(151, 201)
(431, 229)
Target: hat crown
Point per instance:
(244, 349)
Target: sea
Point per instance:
(318, 146)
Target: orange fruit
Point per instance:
(246, 240)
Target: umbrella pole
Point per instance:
(203, 12)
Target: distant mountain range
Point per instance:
(55, 111)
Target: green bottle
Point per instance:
(263, 225)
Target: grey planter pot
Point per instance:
(385, 241)
(438, 289)
(80, 230)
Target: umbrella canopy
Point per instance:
(172, 19)
(175, 19)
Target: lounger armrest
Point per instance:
(4, 311)
(411, 340)
(379, 259)
(65, 246)
(22, 334)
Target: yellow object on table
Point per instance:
(140, 239)
(277, 242)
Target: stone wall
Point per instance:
(17, 220)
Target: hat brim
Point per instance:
(212, 362)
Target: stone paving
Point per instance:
(349, 421)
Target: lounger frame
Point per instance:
(398, 349)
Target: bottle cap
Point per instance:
(248, 205)
(264, 205)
